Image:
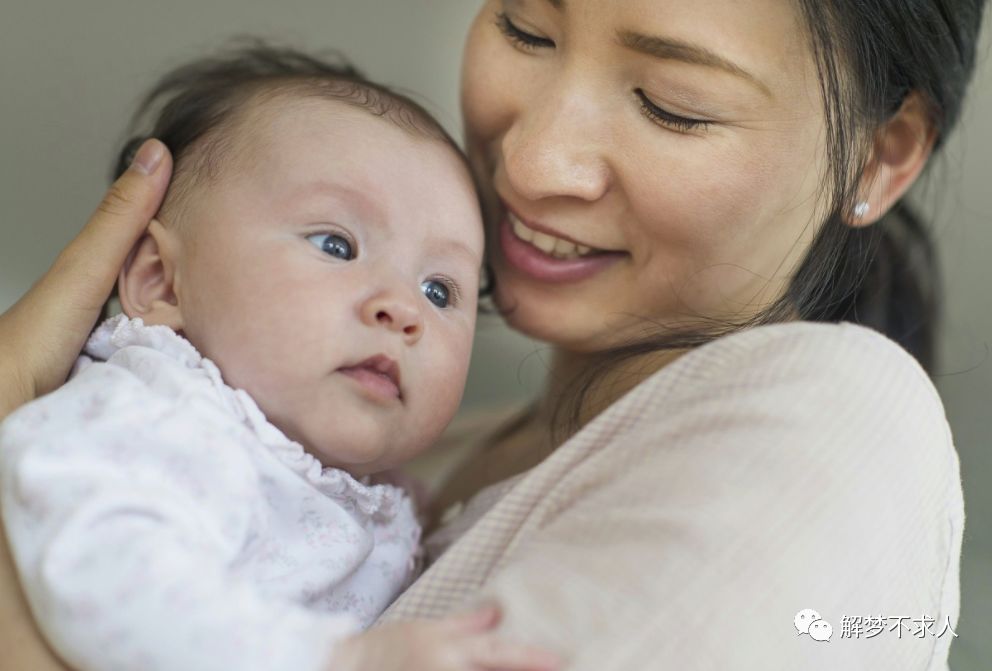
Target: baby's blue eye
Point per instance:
(333, 244)
(436, 292)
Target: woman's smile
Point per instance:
(549, 258)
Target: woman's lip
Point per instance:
(531, 261)
(376, 385)
(540, 228)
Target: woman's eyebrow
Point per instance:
(557, 4)
(668, 49)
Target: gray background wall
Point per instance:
(70, 72)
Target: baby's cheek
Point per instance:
(441, 393)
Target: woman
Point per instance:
(680, 195)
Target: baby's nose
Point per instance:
(395, 311)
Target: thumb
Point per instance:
(48, 326)
(89, 265)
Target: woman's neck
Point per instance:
(532, 436)
(580, 385)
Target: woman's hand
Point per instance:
(41, 335)
(464, 642)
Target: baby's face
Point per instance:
(333, 274)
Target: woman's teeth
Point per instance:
(549, 244)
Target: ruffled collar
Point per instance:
(119, 332)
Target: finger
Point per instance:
(50, 323)
(480, 619)
(495, 653)
(96, 255)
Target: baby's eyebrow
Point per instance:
(457, 247)
(357, 200)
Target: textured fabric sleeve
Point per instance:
(125, 514)
(809, 468)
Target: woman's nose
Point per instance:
(395, 311)
(556, 147)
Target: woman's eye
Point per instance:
(664, 118)
(437, 293)
(521, 38)
(334, 245)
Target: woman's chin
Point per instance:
(554, 324)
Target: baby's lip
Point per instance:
(380, 364)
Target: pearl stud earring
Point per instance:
(861, 209)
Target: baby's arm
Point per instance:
(124, 529)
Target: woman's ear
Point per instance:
(899, 153)
(148, 281)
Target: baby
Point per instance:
(298, 318)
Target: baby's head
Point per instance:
(322, 243)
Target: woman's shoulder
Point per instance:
(792, 390)
(840, 356)
(834, 420)
(786, 465)
(815, 341)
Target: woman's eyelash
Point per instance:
(520, 37)
(526, 40)
(657, 114)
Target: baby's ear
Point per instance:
(147, 282)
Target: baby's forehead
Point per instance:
(287, 126)
(347, 104)
(292, 128)
(319, 139)
(310, 155)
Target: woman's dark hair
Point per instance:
(191, 108)
(871, 55)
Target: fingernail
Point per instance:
(148, 157)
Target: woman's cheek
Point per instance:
(491, 86)
(691, 207)
(705, 227)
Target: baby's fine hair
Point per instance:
(192, 107)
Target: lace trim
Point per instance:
(120, 332)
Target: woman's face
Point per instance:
(681, 141)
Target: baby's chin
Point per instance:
(358, 441)
(360, 450)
